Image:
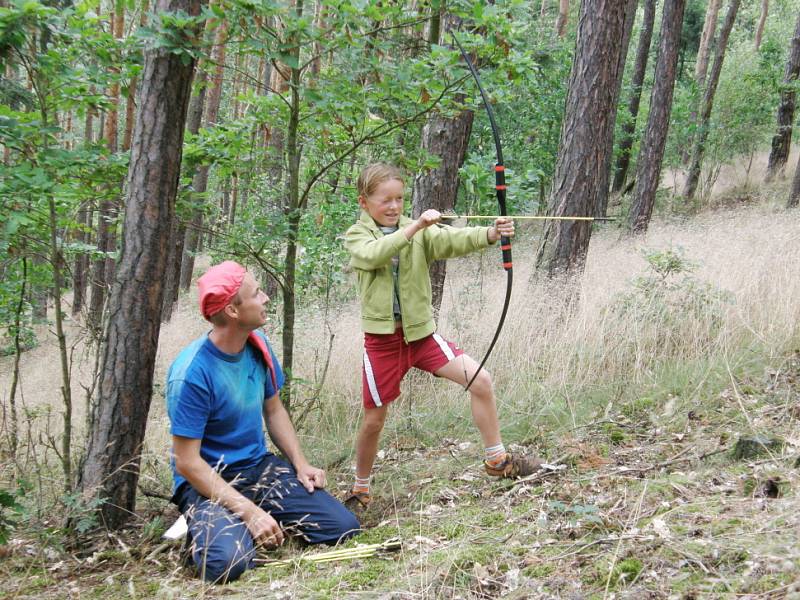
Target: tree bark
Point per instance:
(588, 121)
(448, 139)
(630, 16)
(761, 22)
(698, 151)
(293, 211)
(704, 51)
(637, 80)
(794, 195)
(563, 18)
(111, 468)
(651, 153)
(81, 267)
(103, 268)
(200, 179)
(782, 140)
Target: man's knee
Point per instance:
(338, 525)
(222, 563)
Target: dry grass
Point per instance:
(566, 363)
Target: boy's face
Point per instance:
(385, 204)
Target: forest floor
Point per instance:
(651, 503)
(648, 498)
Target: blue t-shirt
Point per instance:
(218, 398)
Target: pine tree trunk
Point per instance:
(782, 141)
(637, 80)
(630, 16)
(293, 211)
(447, 138)
(588, 121)
(111, 468)
(103, 268)
(762, 21)
(706, 39)
(200, 179)
(794, 194)
(437, 188)
(81, 267)
(651, 153)
(563, 18)
(698, 151)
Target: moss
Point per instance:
(539, 571)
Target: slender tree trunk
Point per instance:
(200, 179)
(761, 22)
(637, 80)
(648, 165)
(437, 188)
(279, 83)
(706, 39)
(563, 18)
(447, 138)
(12, 394)
(130, 111)
(293, 212)
(103, 268)
(111, 468)
(57, 260)
(582, 158)
(782, 140)
(37, 295)
(630, 16)
(81, 266)
(693, 177)
(794, 194)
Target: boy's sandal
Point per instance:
(357, 500)
(514, 466)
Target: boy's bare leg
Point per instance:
(482, 401)
(368, 436)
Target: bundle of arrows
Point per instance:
(361, 551)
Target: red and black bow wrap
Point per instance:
(500, 189)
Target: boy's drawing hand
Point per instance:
(429, 217)
(425, 220)
(504, 227)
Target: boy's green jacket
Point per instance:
(371, 256)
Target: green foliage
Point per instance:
(576, 512)
(175, 32)
(626, 571)
(81, 514)
(668, 294)
(10, 510)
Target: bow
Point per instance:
(500, 189)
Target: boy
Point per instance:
(391, 255)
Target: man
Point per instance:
(234, 493)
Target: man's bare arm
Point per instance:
(204, 479)
(282, 433)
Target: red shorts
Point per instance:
(387, 358)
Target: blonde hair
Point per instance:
(374, 175)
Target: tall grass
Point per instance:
(569, 352)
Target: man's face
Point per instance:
(250, 311)
(385, 204)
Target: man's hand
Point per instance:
(503, 226)
(311, 477)
(264, 529)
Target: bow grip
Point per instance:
(500, 186)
